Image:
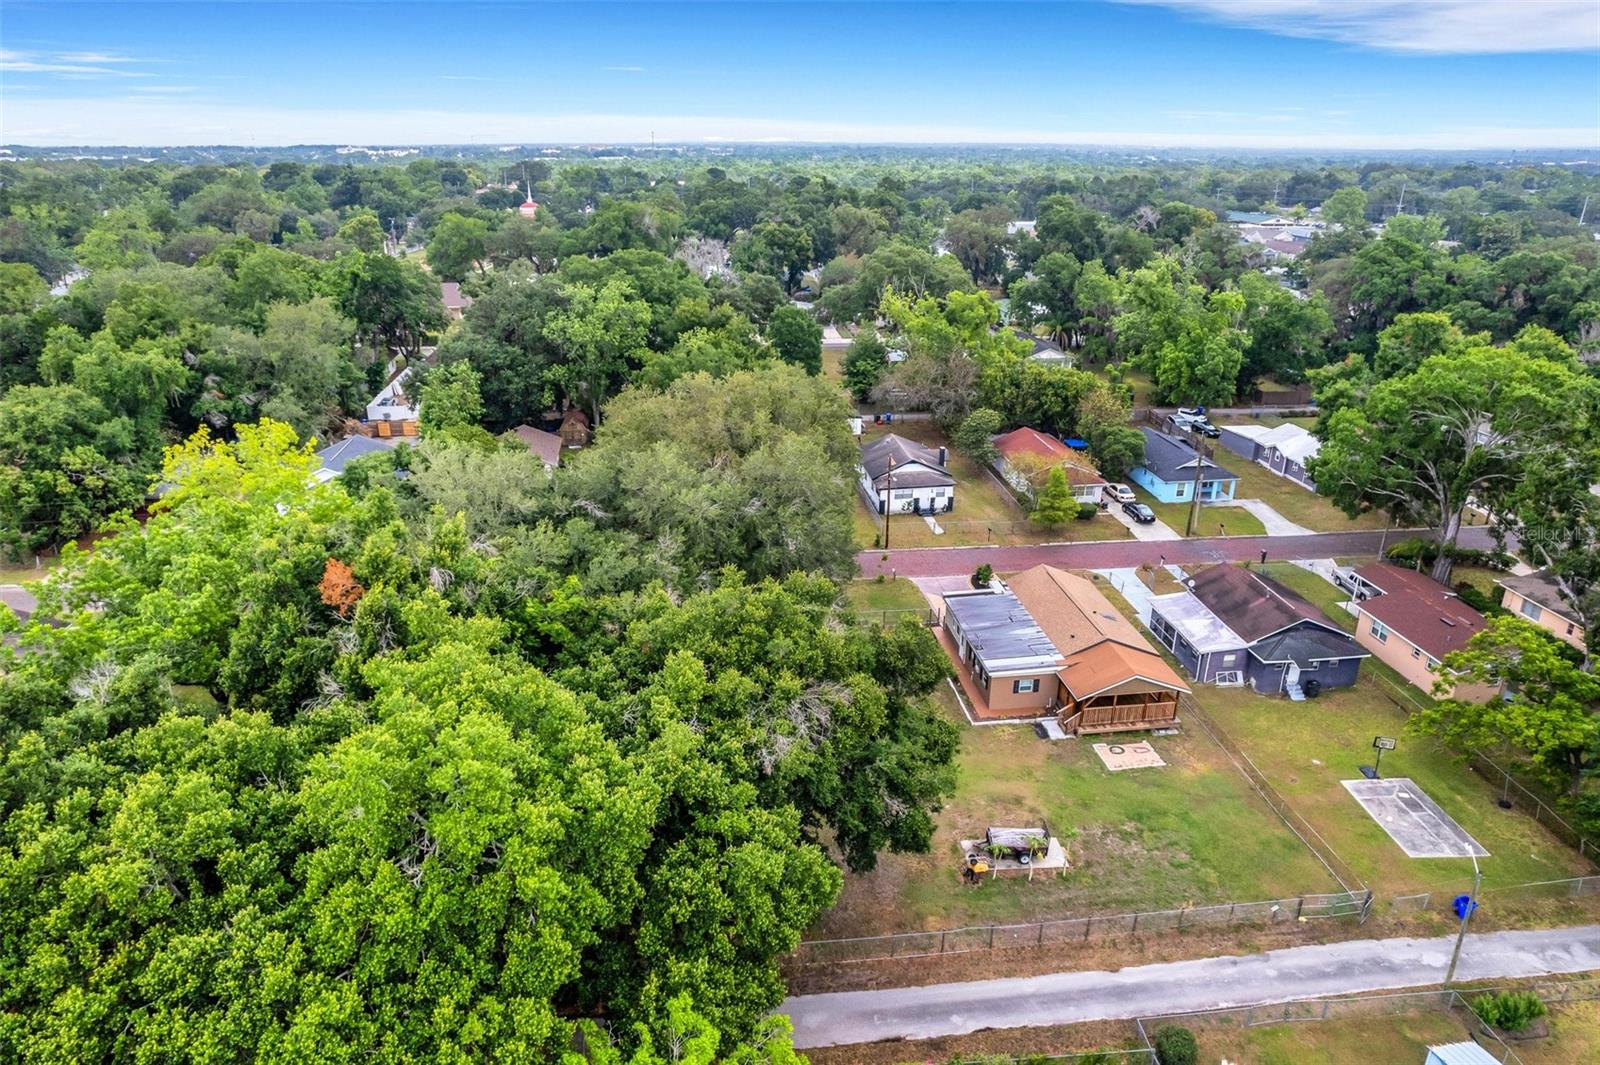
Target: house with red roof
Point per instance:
(1411, 622)
(1027, 456)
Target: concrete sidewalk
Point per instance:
(1173, 987)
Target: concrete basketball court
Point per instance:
(1414, 821)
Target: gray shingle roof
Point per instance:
(877, 454)
(336, 456)
(1171, 459)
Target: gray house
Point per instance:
(1235, 626)
(1284, 449)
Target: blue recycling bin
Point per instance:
(1464, 906)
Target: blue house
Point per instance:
(1168, 471)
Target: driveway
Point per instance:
(1108, 554)
(1134, 590)
(1276, 524)
(1173, 987)
(1159, 530)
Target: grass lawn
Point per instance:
(1396, 1038)
(1307, 749)
(833, 363)
(1574, 1036)
(1300, 505)
(1192, 832)
(985, 513)
(22, 573)
(1214, 521)
(1403, 1037)
(898, 594)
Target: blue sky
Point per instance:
(1176, 73)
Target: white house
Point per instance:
(906, 476)
(392, 404)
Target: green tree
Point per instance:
(1055, 505)
(449, 398)
(796, 338)
(864, 363)
(777, 249)
(364, 231)
(457, 245)
(1550, 710)
(1346, 208)
(598, 337)
(1468, 425)
(975, 436)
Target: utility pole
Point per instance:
(1585, 212)
(1466, 915)
(1400, 208)
(888, 508)
(1199, 474)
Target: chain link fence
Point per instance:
(1080, 929)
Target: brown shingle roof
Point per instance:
(1541, 588)
(1420, 609)
(1250, 603)
(547, 446)
(1099, 647)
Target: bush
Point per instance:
(1509, 1011)
(1477, 600)
(1407, 552)
(1087, 511)
(983, 575)
(1176, 1046)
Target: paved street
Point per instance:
(1171, 987)
(1114, 554)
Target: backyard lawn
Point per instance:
(1192, 832)
(1306, 749)
(1214, 520)
(1299, 504)
(985, 512)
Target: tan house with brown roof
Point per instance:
(544, 446)
(1537, 598)
(1412, 623)
(1109, 677)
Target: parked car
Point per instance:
(1120, 492)
(1192, 412)
(1139, 513)
(1198, 423)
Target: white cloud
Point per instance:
(159, 120)
(464, 77)
(1429, 26)
(164, 89)
(70, 65)
(626, 70)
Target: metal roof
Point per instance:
(1465, 1053)
(1002, 632)
(1198, 626)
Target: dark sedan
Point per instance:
(1139, 513)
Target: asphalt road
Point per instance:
(1175, 987)
(1111, 554)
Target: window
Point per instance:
(1312, 668)
(1531, 610)
(1433, 664)
(1416, 652)
(1228, 658)
(1229, 678)
(1571, 628)
(1180, 490)
(1022, 687)
(1380, 631)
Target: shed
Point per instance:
(544, 446)
(574, 431)
(1464, 1053)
